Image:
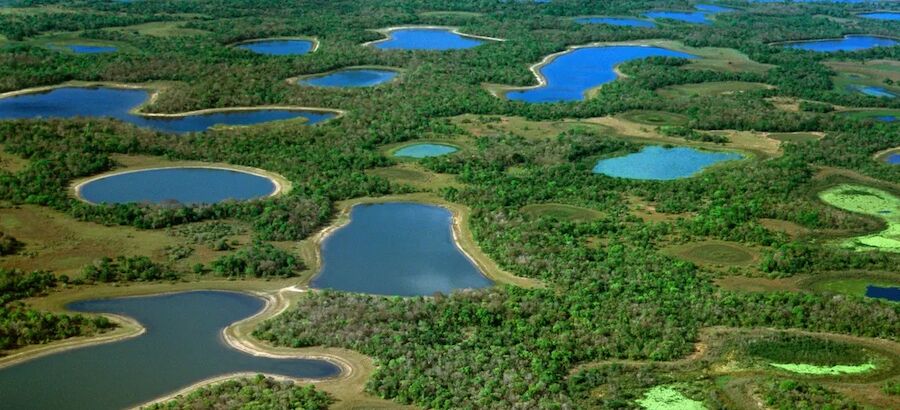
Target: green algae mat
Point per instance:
(803, 368)
(667, 398)
(869, 201)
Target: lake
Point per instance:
(69, 102)
(616, 21)
(889, 293)
(87, 49)
(570, 75)
(848, 43)
(435, 39)
(187, 186)
(886, 118)
(425, 150)
(893, 159)
(659, 163)
(351, 77)
(874, 91)
(183, 345)
(284, 47)
(712, 8)
(693, 17)
(882, 16)
(398, 248)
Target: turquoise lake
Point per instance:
(278, 47)
(570, 75)
(616, 21)
(659, 163)
(398, 248)
(425, 150)
(848, 43)
(187, 186)
(435, 39)
(352, 77)
(69, 102)
(182, 346)
(889, 293)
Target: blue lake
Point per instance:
(693, 17)
(278, 47)
(659, 163)
(570, 75)
(881, 16)
(351, 77)
(183, 345)
(183, 185)
(425, 150)
(874, 91)
(886, 118)
(86, 49)
(893, 159)
(398, 248)
(436, 39)
(616, 21)
(889, 293)
(69, 102)
(712, 8)
(848, 43)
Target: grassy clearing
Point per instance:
(786, 227)
(824, 370)
(654, 118)
(562, 212)
(872, 73)
(713, 58)
(852, 283)
(796, 137)
(868, 201)
(11, 162)
(412, 174)
(716, 253)
(710, 89)
(468, 14)
(58, 41)
(160, 29)
(482, 125)
(667, 398)
(870, 114)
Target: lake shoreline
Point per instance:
(452, 29)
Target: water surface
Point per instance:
(187, 186)
(889, 293)
(712, 8)
(893, 159)
(886, 118)
(425, 150)
(183, 345)
(659, 163)
(616, 21)
(436, 39)
(351, 77)
(87, 49)
(69, 102)
(874, 91)
(693, 17)
(402, 249)
(570, 75)
(882, 16)
(279, 47)
(848, 43)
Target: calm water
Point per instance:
(183, 345)
(85, 49)
(889, 293)
(875, 91)
(116, 103)
(616, 21)
(426, 39)
(658, 163)
(693, 17)
(402, 249)
(886, 118)
(712, 8)
(882, 16)
(893, 159)
(279, 47)
(572, 74)
(848, 43)
(354, 77)
(425, 150)
(183, 185)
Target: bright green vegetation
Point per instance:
(161, 29)
(667, 398)
(869, 201)
(795, 137)
(804, 368)
(562, 212)
(655, 118)
(710, 89)
(715, 253)
(856, 287)
(247, 393)
(802, 395)
(799, 353)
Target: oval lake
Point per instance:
(848, 43)
(351, 77)
(425, 150)
(659, 163)
(285, 47)
(436, 39)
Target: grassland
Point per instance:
(796, 137)
(562, 212)
(861, 114)
(654, 118)
(803, 368)
(715, 253)
(413, 175)
(668, 398)
(11, 162)
(480, 126)
(160, 29)
(871, 73)
(710, 89)
(873, 202)
(851, 283)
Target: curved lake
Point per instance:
(712, 8)
(182, 185)
(426, 39)
(848, 43)
(693, 17)
(616, 21)
(425, 150)
(183, 345)
(86, 49)
(570, 75)
(874, 91)
(351, 77)
(68, 102)
(886, 118)
(399, 248)
(278, 47)
(659, 163)
(893, 159)
(889, 293)
(882, 16)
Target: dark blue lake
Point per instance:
(889, 293)
(68, 102)
(183, 185)
(712, 8)
(693, 17)
(848, 43)
(426, 39)
(659, 163)
(399, 248)
(616, 21)
(881, 16)
(86, 49)
(352, 77)
(893, 159)
(874, 91)
(570, 75)
(278, 47)
(886, 118)
(183, 345)
(425, 150)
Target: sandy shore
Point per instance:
(455, 30)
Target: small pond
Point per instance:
(889, 293)
(571, 74)
(187, 186)
(886, 118)
(659, 163)
(285, 47)
(351, 77)
(893, 159)
(436, 39)
(183, 345)
(848, 43)
(425, 150)
(616, 21)
(68, 102)
(88, 49)
(398, 248)
(886, 15)
(712, 8)
(693, 17)
(874, 91)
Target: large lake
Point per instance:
(399, 248)
(659, 163)
(437, 39)
(68, 102)
(571, 74)
(187, 186)
(351, 77)
(425, 150)
(848, 43)
(616, 21)
(285, 47)
(882, 16)
(183, 345)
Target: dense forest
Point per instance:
(247, 393)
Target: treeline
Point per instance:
(258, 392)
